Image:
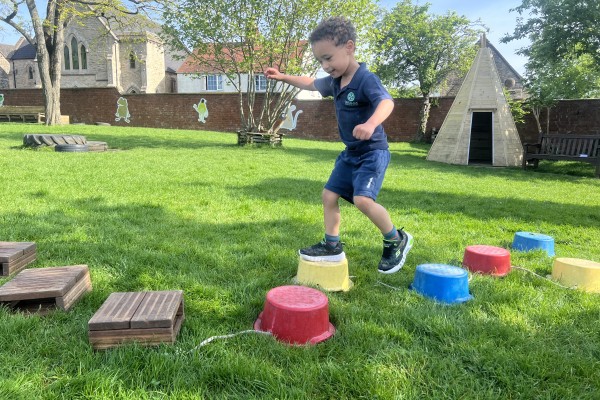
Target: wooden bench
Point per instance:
(564, 147)
(43, 289)
(149, 318)
(14, 256)
(34, 114)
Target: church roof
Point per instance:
(6, 49)
(26, 52)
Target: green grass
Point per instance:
(191, 210)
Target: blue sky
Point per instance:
(493, 13)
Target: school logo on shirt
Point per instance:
(350, 97)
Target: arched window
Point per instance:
(30, 71)
(83, 54)
(133, 89)
(132, 60)
(67, 59)
(75, 55)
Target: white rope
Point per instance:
(543, 277)
(386, 285)
(210, 339)
(471, 277)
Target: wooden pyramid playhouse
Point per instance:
(479, 128)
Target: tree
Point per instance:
(558, 29)
(517, 107)
(47, 35)
(418, 47)
(241, 38)
(564, 52)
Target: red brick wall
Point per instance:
(581, 116)
(316, 121)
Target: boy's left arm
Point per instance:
(383, 110)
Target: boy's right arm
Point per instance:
(302, 82)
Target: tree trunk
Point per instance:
(536, 111)
(49, 45)
(423, 118)
(52, 104)
(48, 65)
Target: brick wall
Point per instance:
(317, 119)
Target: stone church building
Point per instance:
(97, 55)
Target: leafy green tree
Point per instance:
(517, 107)
(416, 46)
(558, 29)
(242, 38)
(564, 51)
(47, 35)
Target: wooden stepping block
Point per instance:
(42, 289)
(149, 318)
(14, 256)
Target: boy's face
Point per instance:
(335, 60)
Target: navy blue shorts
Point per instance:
(358, 175)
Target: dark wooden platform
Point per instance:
(42, 289)
(14, 256)
(150, 318)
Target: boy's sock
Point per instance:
(392, 235)
(332, 240)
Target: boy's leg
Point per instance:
(331, 212)
(396, 243)
(375, 212)
(367, 181)
(330, 248)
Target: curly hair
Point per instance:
(338, 29)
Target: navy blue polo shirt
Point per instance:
(354, 105)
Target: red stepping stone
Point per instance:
(487, 260)
(296, 315)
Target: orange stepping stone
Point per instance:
(149, 318)
(14, 256)
(42, 289)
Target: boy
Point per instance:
(361, 105)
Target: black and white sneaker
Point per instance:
(323, 251)
(394, 253)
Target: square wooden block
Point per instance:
(41, 289)
(14, 256)
(149, 318)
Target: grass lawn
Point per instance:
(191, 210)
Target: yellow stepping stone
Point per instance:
(575, 272)
(330, 276)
